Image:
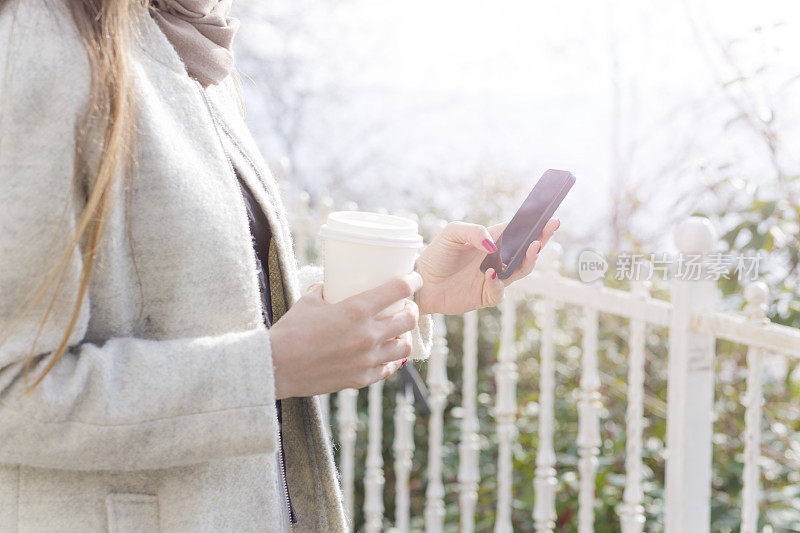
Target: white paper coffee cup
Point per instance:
(363, 250)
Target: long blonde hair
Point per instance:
(106, 28)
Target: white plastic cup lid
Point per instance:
(372, 228)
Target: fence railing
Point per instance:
(693, 326)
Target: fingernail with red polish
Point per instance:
(489, 245)
(540, 247)
(404, 362)
(494, 274)
(558, 223)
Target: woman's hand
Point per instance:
(319, 347)
(450, 268)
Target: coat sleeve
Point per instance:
(421, 336)
(126, 403)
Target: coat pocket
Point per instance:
(132, 513)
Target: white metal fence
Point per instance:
(693, 326)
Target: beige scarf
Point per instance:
(202, 34)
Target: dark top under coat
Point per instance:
(261, 235)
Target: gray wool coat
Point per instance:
(164, 420)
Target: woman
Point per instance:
(160, 357)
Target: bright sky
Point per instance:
(432, 90)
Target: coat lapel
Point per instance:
(240, 145)
(255, 171)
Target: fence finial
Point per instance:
(695, 235)
(325, 207)
(756, 294)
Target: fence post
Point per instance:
(347, 418)
(373, 476)
(755, 295)
(439, 388)
(469, 448)
(403, 454)
(631, 511)
(690, 389)
(589, 407)
(505, 411)
(544, 482)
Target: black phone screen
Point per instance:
(529, 221)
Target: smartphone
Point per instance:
(528, 222)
